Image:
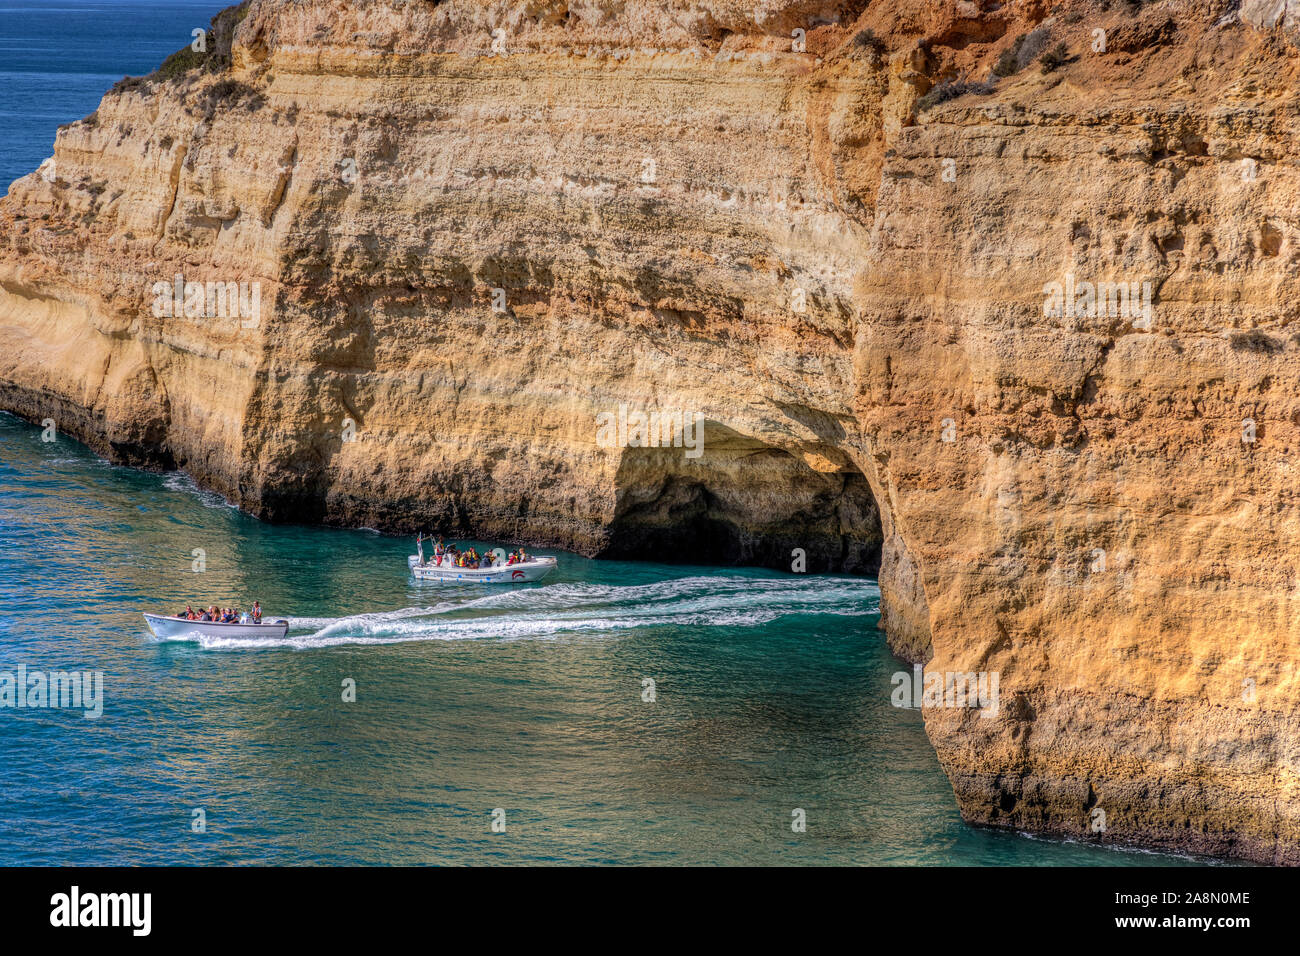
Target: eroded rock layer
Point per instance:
(463, 234)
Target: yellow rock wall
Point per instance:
(748, 211)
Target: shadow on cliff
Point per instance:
(743, 502)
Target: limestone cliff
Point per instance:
(828, 229)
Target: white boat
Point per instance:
(165, 626)
(534, 569)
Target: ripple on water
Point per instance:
(770, 691)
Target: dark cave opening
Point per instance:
(744, 502)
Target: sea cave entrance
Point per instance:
(745, 502)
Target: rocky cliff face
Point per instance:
(861, 243)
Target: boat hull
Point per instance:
(164, 626)
(528, 571)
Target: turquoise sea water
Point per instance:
(772, 690)
(772, 695)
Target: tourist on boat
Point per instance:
(223, 615)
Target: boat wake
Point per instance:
(576, 611)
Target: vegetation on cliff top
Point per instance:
(1144, 30)
(214, 57)
(950, 91)
(1022, 52)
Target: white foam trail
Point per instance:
(577, 609)
(399, 614)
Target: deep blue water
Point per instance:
(58, 57)
(772, 690)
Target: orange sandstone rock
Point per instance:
(829, 229)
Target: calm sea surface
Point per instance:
(772, 691)
(58, 57)
(772, 694)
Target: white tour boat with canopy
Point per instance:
(444, 568)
